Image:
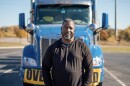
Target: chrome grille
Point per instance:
(45, 44)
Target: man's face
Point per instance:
(67, 31)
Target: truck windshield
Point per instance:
(55, 14)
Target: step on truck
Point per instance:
(44, 27)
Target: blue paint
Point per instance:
(53, 31)
(28, 51)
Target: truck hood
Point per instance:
(54, 31)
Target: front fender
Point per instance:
(97, 55)
(96, 52)
(28, 51)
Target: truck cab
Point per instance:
(46, 18)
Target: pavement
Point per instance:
(117, 69)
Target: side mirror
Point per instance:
(30, 27)
(22, 20)
(105, 25)
(105, 21)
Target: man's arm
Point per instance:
(88, 66)
(46, 66)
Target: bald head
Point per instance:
(68, 20)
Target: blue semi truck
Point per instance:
(46, 17)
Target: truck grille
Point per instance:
(45, 43)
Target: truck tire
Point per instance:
(100, 84)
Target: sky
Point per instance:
(10, 9)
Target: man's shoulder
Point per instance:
(80, 41)
(55, 44)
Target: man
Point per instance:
(67, 62)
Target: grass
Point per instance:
(116, 49)
(106, 48)
(6, 44)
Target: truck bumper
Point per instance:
(34, 76)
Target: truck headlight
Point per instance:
(29, 61)
(97, 61)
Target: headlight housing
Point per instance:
(27, 61)
(97, 61)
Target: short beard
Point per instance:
(68, 37)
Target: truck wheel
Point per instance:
(100, 84)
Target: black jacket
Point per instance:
(70, 65)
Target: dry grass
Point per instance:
(114, 43)
(106, 46)
(6, 44)
(116, 49)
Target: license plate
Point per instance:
(96, 75)
(33, 76)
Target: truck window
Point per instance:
(55, 14)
